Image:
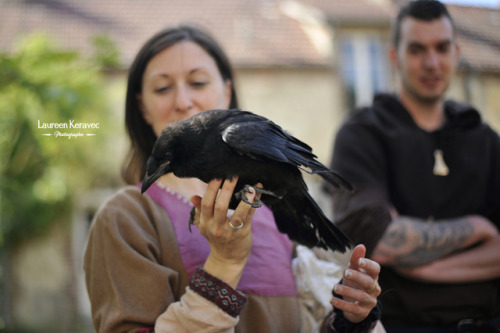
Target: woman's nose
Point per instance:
(183, 101)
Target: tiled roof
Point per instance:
(479, 35)
(367, 12)
(253, 32)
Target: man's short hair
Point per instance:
(424, 10)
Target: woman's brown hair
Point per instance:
(142, 137)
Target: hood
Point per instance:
(458, 115)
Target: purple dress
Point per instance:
(268, 271)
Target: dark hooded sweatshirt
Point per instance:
(390, 161)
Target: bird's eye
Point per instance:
(168, 156)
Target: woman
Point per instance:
(143, 265)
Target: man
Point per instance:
(427, 187)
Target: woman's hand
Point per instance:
(359, 288)
(230, 246)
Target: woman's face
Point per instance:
(179, 82)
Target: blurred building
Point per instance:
(302, 63)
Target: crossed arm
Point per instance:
(465, 249)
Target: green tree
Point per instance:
(40, 174)
(106, 52)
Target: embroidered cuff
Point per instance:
(218, 292)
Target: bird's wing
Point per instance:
(264, 139)
(260, 138)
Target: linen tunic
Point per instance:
(137, 275)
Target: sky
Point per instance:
(482, 3)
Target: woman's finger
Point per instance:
(357, 253)
(353, 311)
(242, 212)
(362, 272)
(208, 200)
(196, 201)
(223, 200)
(356, 304)
(371, 267)
(362, 281)
(355, 295)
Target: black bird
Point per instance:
(221, 144)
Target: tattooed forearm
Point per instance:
(410, 242)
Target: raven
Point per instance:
(222, 144)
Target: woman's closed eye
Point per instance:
(162, 89)
(199, 84)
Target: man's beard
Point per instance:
(421, 98)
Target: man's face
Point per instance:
(426, 58)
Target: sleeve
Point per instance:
(209, 305)
(364, 214)
(359, 156)
(127, 285)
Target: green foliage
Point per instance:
(106, 53)
(40, 175)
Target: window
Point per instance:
(364, 68)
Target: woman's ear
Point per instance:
(141, 106)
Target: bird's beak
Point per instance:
(153, 173)
(149, 180)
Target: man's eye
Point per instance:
(444, 48)
(414, 50)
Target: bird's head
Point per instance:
(156, 168)
(163, 156)
(177, 143)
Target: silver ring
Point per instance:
(238, 227)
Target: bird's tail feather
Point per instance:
(302, 156)
(334, 179)
(299, 216)
(315, 167)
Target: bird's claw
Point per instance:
(257, 203)
(192, 214)
(241, 196)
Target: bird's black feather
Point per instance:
(221, 144)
